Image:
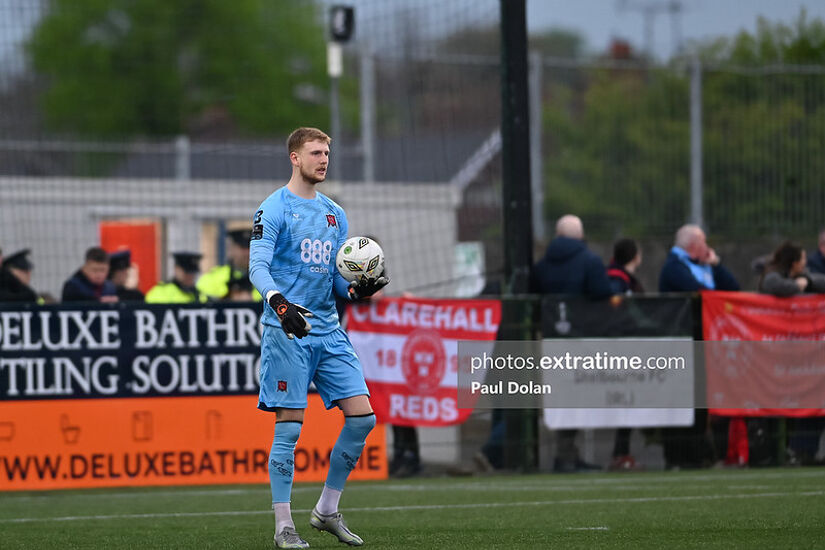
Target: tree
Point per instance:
(152, 67)
(617, 140)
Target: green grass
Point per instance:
(703, 509)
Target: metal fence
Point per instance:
(634, 148)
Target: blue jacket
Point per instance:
(568, 267)
(676, 277)
(80, 289)
(816, 262)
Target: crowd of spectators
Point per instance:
(567, 267)
(112, 277)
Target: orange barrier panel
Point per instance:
(62, 444)
(141, 238)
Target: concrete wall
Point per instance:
(58, 219)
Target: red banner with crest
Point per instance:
(408, 348)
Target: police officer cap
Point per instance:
(119, 260)
(19, 260)
(240, 237)
(188, 261)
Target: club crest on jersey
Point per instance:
(331, 221)
(281, 385)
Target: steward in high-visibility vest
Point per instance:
(181, 289)
(215, 282)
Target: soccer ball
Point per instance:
(360, 258)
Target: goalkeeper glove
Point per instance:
(292, 316)
(364, 288)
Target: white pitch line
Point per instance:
(548, 483)
(406, 508)
(588, 528)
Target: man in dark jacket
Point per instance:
(89, 283)
(568, 267)
(692, 265)
(15, 277)
(816, 259)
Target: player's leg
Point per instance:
(285, 373)
(281, 470)
(340, 382)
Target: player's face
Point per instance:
(312, 160)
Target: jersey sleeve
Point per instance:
(340, 285)
(265, 228)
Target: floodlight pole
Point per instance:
(341, 28)
(335, 66)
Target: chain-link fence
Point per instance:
(418, 157)
(149, 113)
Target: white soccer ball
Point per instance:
(360, 258)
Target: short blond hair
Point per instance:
(302, 135)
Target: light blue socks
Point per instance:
(282, 459)
(347, 449)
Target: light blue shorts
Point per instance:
(288, 367)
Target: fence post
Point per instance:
(182, 158)
(368, 114)
(696, 214)
(536, 164)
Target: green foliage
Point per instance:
(612, 151)
(618, 139)
(153, 67)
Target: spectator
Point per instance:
(89, 283)
(181, 289)
(622, 269)
(692, 265)
(15, 278)
(215, 282)
(787, 274)
(124, 276)
(627, 257)
(816, 259)
(568, 267)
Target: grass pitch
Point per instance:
(777, 508)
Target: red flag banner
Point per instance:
(774, 368)
(408, 348)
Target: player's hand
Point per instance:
(292, 316)
(364, 288)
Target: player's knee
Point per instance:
(286, 437)
(361, 426)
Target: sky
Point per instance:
(601, 20)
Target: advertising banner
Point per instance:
(97, 396)
(764, 355)
(625, 319)
(409, 350)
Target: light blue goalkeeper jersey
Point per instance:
(293, 248)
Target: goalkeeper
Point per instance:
(296, 234)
